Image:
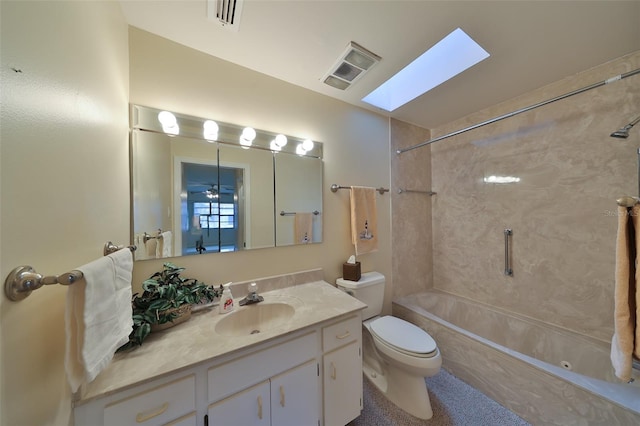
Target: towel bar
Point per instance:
(283, 213)
(335, 187)
(22, 280)
(148, 237)
(401, 191)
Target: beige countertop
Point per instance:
(196, 340)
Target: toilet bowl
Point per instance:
(397, 355)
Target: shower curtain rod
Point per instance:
(519, 111)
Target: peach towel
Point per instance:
(626, 296)
(303, 228)
(364, 219)
(151, 248)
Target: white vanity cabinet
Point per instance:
(310, 377)
(342, 366)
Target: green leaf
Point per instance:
(160, 305)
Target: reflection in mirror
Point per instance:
(212, 207)
(298, 200)
(203, 187)
(257, 202)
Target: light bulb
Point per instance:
(300, 150)
(169, 123)
(273, 146)
(167, 119)
(307, 144)
(248, 133)
(281, 140)
(247, 137)
(210, 130)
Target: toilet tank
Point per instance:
(369, 290)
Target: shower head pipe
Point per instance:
(624, 131)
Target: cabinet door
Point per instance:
(342, 385)
(294, 397)
(250, 407)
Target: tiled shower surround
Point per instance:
(562, 210)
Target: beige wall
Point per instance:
(65, 180)
(411, 220)
(562, 212)
(167, 75)
(65, 183)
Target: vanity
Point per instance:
(293, 359)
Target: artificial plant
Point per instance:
(162, 292)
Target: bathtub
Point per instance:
(545, 374)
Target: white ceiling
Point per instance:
(532, 43)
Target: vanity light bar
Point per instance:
(174, 124)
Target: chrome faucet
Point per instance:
(253, 296)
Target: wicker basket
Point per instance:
(184, 313)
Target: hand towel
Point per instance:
(151, 246)
(626, 296)
(141, 252)
(98, 316)
(364, 220)
(303, 228)
(165, 244)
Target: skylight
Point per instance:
(446, 59)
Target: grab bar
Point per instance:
(507, 258)
(402, 191)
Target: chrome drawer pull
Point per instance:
(281, 396)
(260, 407)
(344, 336)
(143, 417)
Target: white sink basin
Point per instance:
(252, 319)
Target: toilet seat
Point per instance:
(403, 337)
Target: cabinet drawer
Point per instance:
(341, 333)
(188, 420)
(246, 371)
(156, 406)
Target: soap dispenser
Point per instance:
(226, 300)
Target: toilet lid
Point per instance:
(403, 335)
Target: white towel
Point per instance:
(165, 243)
(98, 316)
(141, 252)
(364, 219)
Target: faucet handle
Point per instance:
(253, 288)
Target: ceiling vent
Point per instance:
(350, 67)
(225, 12)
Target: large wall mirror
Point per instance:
(200, 186)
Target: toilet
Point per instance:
(397, 355)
